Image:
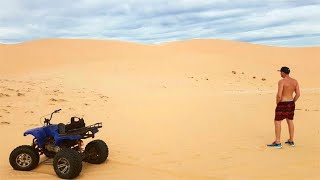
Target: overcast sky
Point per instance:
(270, 22)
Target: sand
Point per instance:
(196, 109)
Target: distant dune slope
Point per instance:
(212, 58)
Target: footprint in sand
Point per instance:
(57, 91)
(20, 94)
(31, 124)
(57, 100)
(9, 89)
(103, 97)
(6, 111)
(202, 78)
(4, 123)
(4, 95)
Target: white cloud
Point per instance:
(272, 22)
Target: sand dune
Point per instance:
(196, 109)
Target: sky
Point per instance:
(293, 23)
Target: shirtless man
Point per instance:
(285, 106)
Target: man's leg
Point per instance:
(277, 125)
(291, 129)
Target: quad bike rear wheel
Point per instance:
(67, 164)
(24, 158)
(96, 152)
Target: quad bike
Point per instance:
(63, 143)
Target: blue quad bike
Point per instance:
(63, 143)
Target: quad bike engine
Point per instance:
(49, 145)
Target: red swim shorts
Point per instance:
(285, 110)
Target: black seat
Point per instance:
(75, 124)
(61, 128)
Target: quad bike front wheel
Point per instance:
(24, 158)
(67, 164)
(96, 152)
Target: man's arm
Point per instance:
(297, 91)
(279, 94)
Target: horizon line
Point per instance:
(158, 43)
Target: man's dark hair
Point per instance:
(285, 70)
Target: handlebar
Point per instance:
(47, 121)
(56, 111)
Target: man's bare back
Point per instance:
(286, 87)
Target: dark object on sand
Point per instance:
(64, 144)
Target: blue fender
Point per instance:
(38, 134)
(52, 130)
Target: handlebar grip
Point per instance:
(57, 110)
